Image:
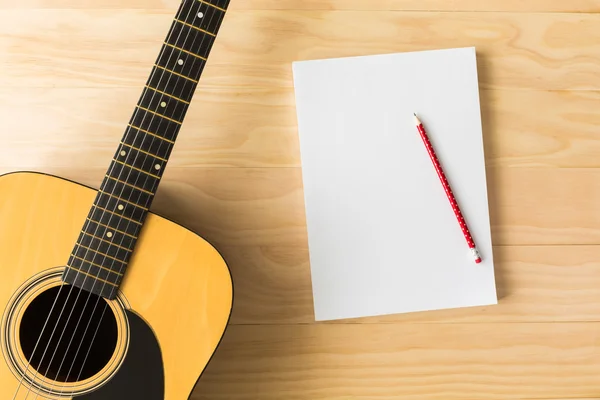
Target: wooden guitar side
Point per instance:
(176, 282)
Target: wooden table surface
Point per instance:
(71, 72)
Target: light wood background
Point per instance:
(72, 70)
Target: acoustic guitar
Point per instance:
(102, 299)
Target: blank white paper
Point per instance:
(382, 235)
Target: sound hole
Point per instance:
(89, 334)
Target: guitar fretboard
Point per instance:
(99, 259)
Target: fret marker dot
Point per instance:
(121, 207)
(157, 167)
(163, 104)
(200, 14)
(180, 62)
(123, 153)
(109, 234)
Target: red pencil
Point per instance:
(448, 190)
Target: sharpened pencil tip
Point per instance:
(417, 120)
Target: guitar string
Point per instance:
(185, 107)
(84, 278)
(112, 241)
(37, 342)
(66, 301)
(178, 15)
(199, 75)
(181, 54)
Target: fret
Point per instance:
(182, 63)
(115, 221)
(104, 245)
(79, 280)
(161, 149)
(220, 5)
(90, 283)
(95, 269)
(106, 242)
(140, 183)
(190, 39)
(168, 95)
(107, 272)
(159, 115)
(141, 162)
(118, 199)
(202, 15)
(122, 209)
(110, 229)
(135, 169)
(80, 246)
(195, 27)
(135, 149)
(92, 263)
(185, 51)
(167, 106)
(119, 215)
(130, 185)
(175, 73)
(148, 122)
(169, 83)
(132, 179)
(99, 274)
(126, 192)
(103, 231)
(150, 133)
(90, 278)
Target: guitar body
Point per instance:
(171, 312)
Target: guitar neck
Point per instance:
(107, 240)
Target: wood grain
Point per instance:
(226, 127)
(405, 361)
(578, 6)
(265, 206)
(76, 47)
(257, 127)
(425, 5)
(534, 283)
(72, 71)
(262, 206)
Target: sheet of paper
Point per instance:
(382, 235)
